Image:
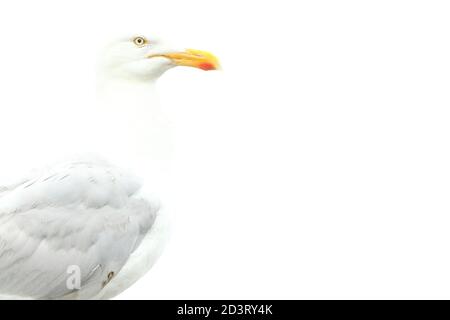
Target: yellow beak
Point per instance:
(193, 58)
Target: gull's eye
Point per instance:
(140, 41)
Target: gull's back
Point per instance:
(82, 217)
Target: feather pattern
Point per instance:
(87, 214)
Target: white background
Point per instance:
(315, 165)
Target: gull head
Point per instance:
(141, 58)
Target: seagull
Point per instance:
(92, 224)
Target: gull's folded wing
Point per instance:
(79, 218)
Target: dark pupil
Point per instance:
(139, 41)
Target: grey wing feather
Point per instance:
(84, 214)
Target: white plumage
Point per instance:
(87, 212)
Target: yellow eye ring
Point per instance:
(140, 41)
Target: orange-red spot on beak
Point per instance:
(206, 66)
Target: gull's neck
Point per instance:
(134, 130)
(140, 91)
